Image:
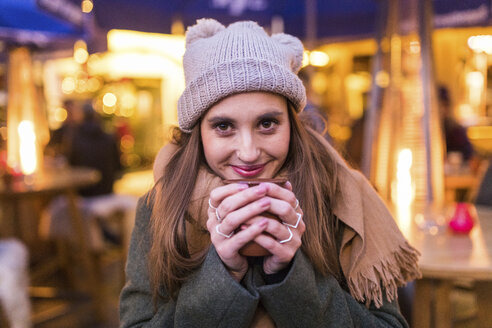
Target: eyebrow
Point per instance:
(270, 114)
(218, 119)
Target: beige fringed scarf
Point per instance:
(374, 253)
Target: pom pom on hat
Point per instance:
(296, 47)
(204, 28)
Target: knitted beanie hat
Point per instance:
(220, 61)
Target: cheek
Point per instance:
(279, 147)
(213, 149)
(283, 148)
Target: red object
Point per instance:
(462, 221)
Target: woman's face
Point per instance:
(246, 135)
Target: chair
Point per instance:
(108, 221)
(14, 280)
(115, 215)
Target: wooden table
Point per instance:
(445, 258)
(52, 183)
(45, 184)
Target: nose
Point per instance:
(248, 151)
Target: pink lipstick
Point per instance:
(248, 171)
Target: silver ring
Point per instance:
(217, 215)
(297, 204)
(223, 234)
(211, 206)
(299, 216)
(288, 239)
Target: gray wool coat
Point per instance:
(212, 298)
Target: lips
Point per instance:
(248, 171)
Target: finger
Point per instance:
(288, 185)
(220, 233)
(280, 231)
(230, 247)
(278, 192)
(218, 194)
(240, 199)
(212, 221)
(235, 219)
(286, 212)
(295, 222)
(283, 253)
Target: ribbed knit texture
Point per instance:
(221, 61)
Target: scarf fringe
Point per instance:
(390, 272)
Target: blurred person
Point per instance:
(459, 150)
(61, 138)
(336, 257)
(456, 139)
(313, 114)
(92, 147)
(83, 143)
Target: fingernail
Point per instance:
(261, 189)
(263, 223)
(264, 202)
(288, 185)
(242, 186)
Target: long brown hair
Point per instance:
(311, 170)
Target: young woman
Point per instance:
(334, 259)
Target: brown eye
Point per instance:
(223, 126)
(268, 124)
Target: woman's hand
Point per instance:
(287, 234)
(236, 205)
(230, 207)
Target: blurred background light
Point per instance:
(481, 43)
(80, 54)
(319, 58)
(382, 79)
(305, 58)
(68, 85)
(27, 150)
(60, 114)
(109, 99)
(87, 6)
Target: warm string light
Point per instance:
(80, 54)
(87, 6)
(382, 79)
(61, 114)
(315, 58)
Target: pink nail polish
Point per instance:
(261, 189)
(242, 186)
(264, 202)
